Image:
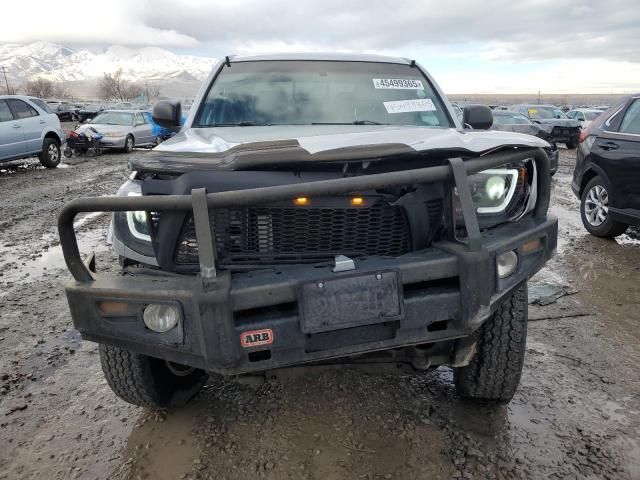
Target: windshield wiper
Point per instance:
(241, 124)
(355, 122)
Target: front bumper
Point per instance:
(113, 142)
(446, 291)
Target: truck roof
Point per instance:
(328, 56)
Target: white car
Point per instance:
(584, 115)
(29, 128)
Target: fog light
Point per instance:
(161, 318)
(507, 263)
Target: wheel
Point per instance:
(594, 210)
(494, 372)
(572, 144)
(50, 154)
(149, 382)
(68, 152)
(128, 144)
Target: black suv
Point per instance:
(607, 173)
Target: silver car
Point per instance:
(122, 129)
(29, 128)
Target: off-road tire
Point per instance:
(128, 144)
(50, 154)
(609, 228)
(146, 381)
(572, 144)
(494, 372)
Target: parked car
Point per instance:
(89, 111)
(584, 115)
(29, 128)
(317, 208)
(122, 129)
(564, 130)
(507, 121)
(607, 174)
(62, 109)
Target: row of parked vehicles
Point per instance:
(28, 127)
(78, 112)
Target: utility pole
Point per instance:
(538, 97)
(6, 82)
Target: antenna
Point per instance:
(227, 61)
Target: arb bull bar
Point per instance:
(210, 338)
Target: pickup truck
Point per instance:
(317, 210)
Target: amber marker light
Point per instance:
(357, 201)
(301, 201)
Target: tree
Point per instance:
(115, 87)
(152, 92)
(60, 89)
(40, 87)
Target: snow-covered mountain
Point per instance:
(57, 62)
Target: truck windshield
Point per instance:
(319, 93)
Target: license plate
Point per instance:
(350, 301)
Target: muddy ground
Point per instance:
(576, 414)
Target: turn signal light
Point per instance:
(301, 201)
(531, 246)
(357, 201)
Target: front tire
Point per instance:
(147, 381)
(594, 210)
(50, 154)
(572, 144)
(128, 144)
(494, 372)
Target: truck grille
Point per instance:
(285, 234)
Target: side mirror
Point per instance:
(167, 114)
(478, 117)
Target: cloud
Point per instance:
(525, 30)
(532, 30)
(93, 23)
(479, 42)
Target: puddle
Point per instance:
(52, 260)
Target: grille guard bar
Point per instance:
(200, 201)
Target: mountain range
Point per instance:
(80, 68)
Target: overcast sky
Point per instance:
(508, 46)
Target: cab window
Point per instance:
(21, 109)
(631, 121)
(5, 113)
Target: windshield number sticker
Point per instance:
(405, 106)
(397, 84)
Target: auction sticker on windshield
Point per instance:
(397, 84)
(416, 105)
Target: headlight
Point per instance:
(492, 190)
(137, 221)
(500, 195)
(133, 229)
